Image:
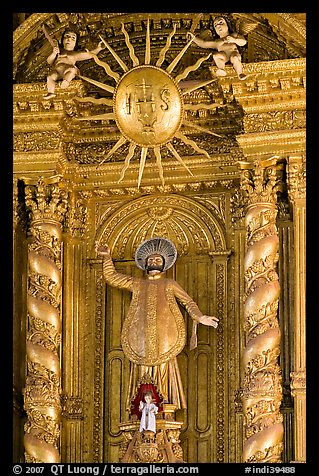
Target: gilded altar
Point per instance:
(147, 141)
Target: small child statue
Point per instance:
(149, 410)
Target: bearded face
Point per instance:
(155, 262)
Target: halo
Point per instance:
(159, 245)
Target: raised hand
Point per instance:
(102, 250)
(56, 49)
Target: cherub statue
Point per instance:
(226, 46)
(63, 60)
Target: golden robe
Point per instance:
(154, 330)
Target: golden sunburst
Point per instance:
(148, 105)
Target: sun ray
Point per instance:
(157, 152)
(99, 117)
(163, 51)
(107, 102)
(142, 165)
(193, 67)
(190, 142)
(197, 107)
(106, 87)
(127, 161)
(133, 57)
(148, 44)
(125, 89)
(172, 65)
(199, 128)
(106, 67)
(118, 59)
(119, 143)
(177, 156)
(197, 86)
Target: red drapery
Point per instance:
(145, 387)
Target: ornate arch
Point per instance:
(192, 227)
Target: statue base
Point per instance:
(149, 447)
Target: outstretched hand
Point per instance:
(102, 250)
(209, 321)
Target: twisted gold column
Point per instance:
(261, 374)
(297, 194)
(46, 203)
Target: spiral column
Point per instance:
(261, 374)
(46, 203)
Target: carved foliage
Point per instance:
(262, 181)
(46, 200)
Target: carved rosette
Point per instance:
(261, 374)
(47, 204)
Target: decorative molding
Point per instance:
(220, 363)
(276, 119)
(98, 391)
(264, 144)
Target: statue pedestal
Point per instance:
(149, 447)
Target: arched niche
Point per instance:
(193, 228)
(201, 269)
